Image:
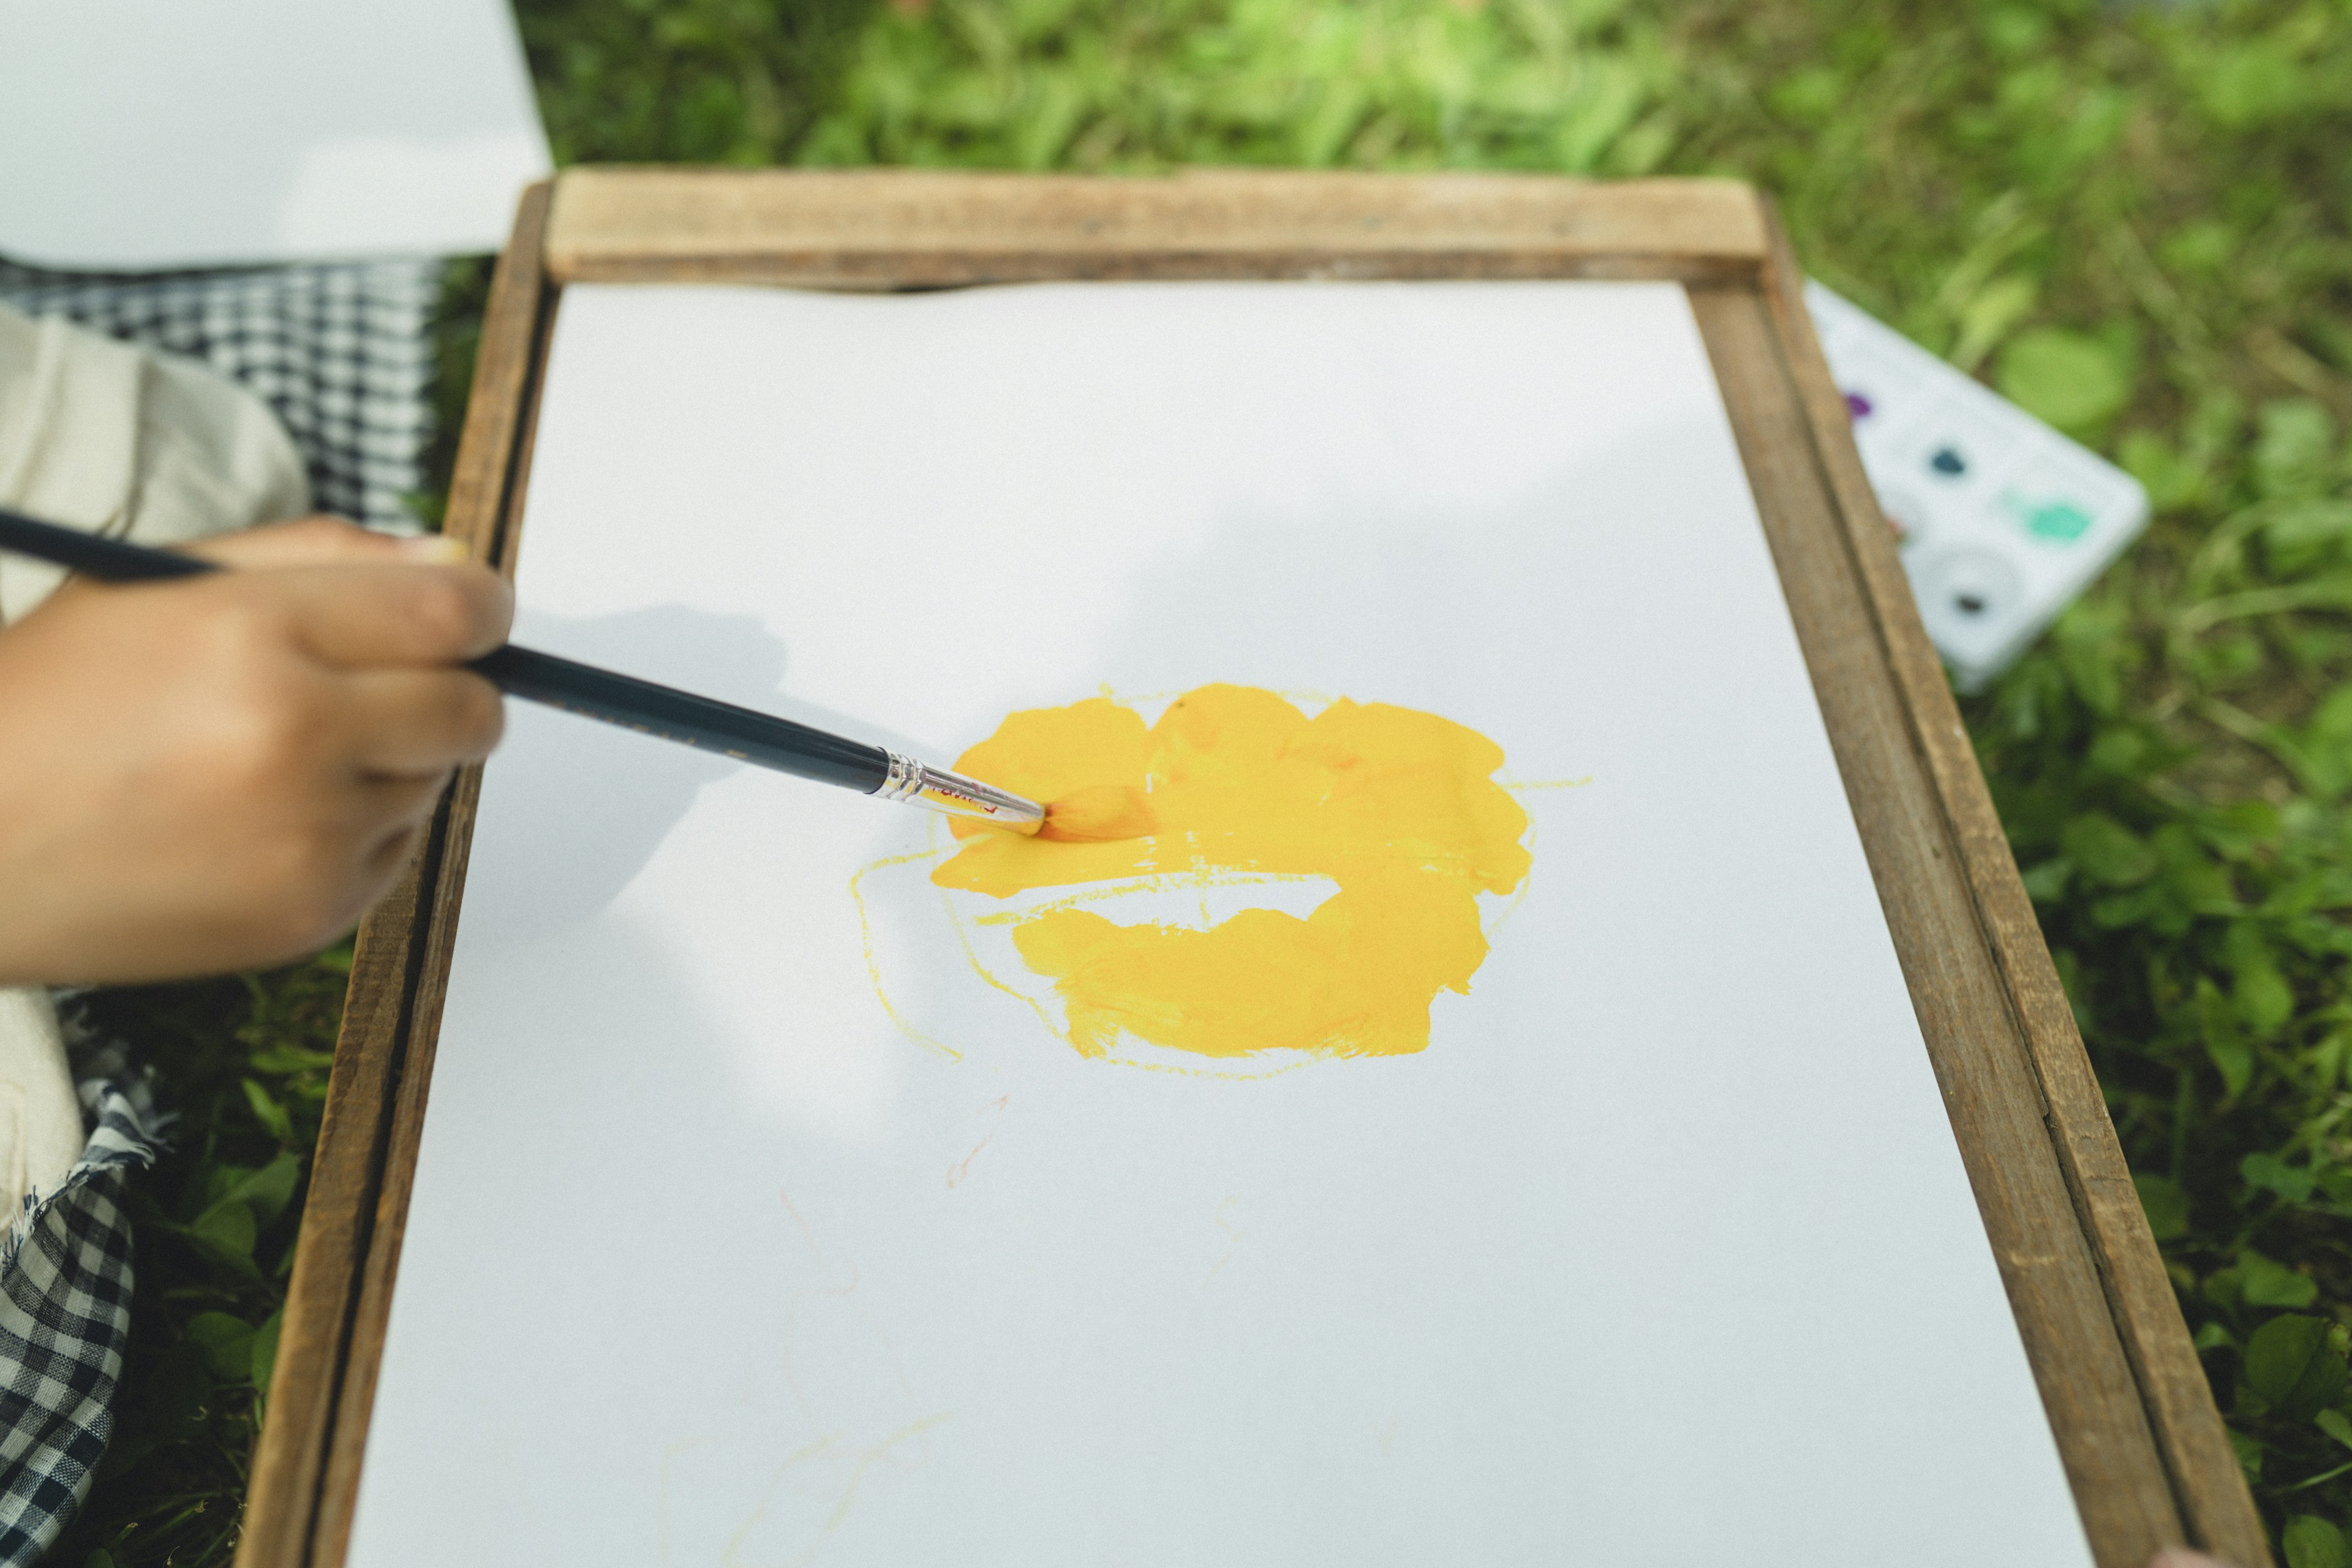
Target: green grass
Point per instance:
(2132, 222)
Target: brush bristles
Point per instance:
(1100, 814)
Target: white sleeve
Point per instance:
(120, 440)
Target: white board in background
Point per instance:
(1660, 1253)
(165, 133)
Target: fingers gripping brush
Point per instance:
(669, 714)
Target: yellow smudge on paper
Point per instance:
(1399, 808)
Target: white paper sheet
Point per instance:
(153, 133)
(1660, 1253)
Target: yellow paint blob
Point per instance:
(1398, 807)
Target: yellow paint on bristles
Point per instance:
(1101, 814)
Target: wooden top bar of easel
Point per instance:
(901, 228)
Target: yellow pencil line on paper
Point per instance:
(866, 1461)
(873, 966)
(731, 1555)
(1235, 1074)
(972, 956)
(661, 1496)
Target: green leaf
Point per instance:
(226, 1342)
(2271, 1173)
(2206, 244)
(2225, 1044)
(1597, 116)
(2165, 1205)
(1987, 319)
(2311, 1542)
(2203, 885)
(2294, 1366)
(2016, 29)
(2327, 1062)
(2332, 720)
(2172, 480)
(1808, 97)
(2295, 446)
(2127, 909)
(268, 1113)
(2106, 851)
(2266, 1282)
(2237, 831)
(2124, 753)
(2334, 1423)
(2087, 648)
(221, 1180)
(228, 1228)
(269, 1190)
(285, 1060)
(2325, 745)
(2046, 883)
(2263, 996)
(2304, 532)
(2248, 1449)
(2069, 379)
(2250, 84)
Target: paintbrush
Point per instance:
(668, 714)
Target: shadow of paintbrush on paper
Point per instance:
(640, 792)
(619, 794)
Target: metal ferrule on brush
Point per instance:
(957, 795)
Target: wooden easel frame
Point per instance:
(2143, 1444)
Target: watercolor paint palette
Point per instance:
(2002, 520)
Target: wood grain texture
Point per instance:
(2135, 1424)
(345, 1173)
(2216, 1508)
(489, 486)
(306, 1461)
(2086, 1382)
(904, 228)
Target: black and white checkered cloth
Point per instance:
(340, 351)
(65, 1314)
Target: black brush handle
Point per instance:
(108, 559)
(601, 694)
(703, 723)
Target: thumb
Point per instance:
(325, 541)
(2181, 1557)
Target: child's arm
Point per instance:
(224, 772)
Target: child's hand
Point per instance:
(224, 772)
